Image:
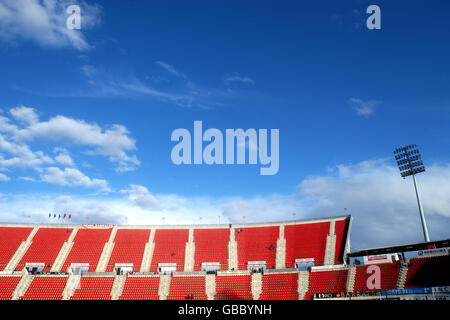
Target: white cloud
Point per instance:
(235, 77)
(36, 208)
(63, 157)
(112, 141)
(44, 22)
(24, 127)
(88, 70)
(21, 155)
(383, 204)
(170, 69)
(6, 126)
(25, 115)
(4, 177)
(140, 196)
(363, 108)
(28, 179)
(185, 94)
(73, 178)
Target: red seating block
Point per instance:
(340, 229)
(94, 288)
(256, 244)
(7, 286)
(140, 288)
(331, 281)
(279, 286)
(388, 275)
(428, 272)
(306, 241)
(205, 252)
(234, 287)
(45, 246)
(87, 247)
(183, 286)
(10, 240)
(46, 288)
(129, 246)
(170, 247)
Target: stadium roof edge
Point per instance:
(400, 248)
(65, 225)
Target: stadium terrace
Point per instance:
(290, 260)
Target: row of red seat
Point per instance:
(303, 240)
(422, 272)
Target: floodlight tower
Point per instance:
(409, 163)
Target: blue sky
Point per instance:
(87, 114)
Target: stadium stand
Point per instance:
(330, 281)
(190, 246)
(234, 287)
(87, 248)
(94, 288)
(7, 286)
(129, 247)
(205, 252)
(428, 272)
(10, 240)
(140, 288)
(45, 247)
(306, 241)
(256, 244)
(170, 246)
(46, 288)
(279, 286)
(187, 288)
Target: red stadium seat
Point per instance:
(129, 245)
(46, 288)
(234, 287)
(205, 252)
(7, 286)
(187, 288)
(256, 244)
(140, 288)
(170, 247)
(94, 288)
(10, 240)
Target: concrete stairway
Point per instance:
(330, 248)
(351, 279)
(106, 253)
(280, 262)
(210, 286)
(232, 252)
(72, 283)
(148, 252)
(164, 286)
(22, 286)
(303, 284)
(402, 275)
(189, 254)
(117, 288)
(64, 252)
(256, 285)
